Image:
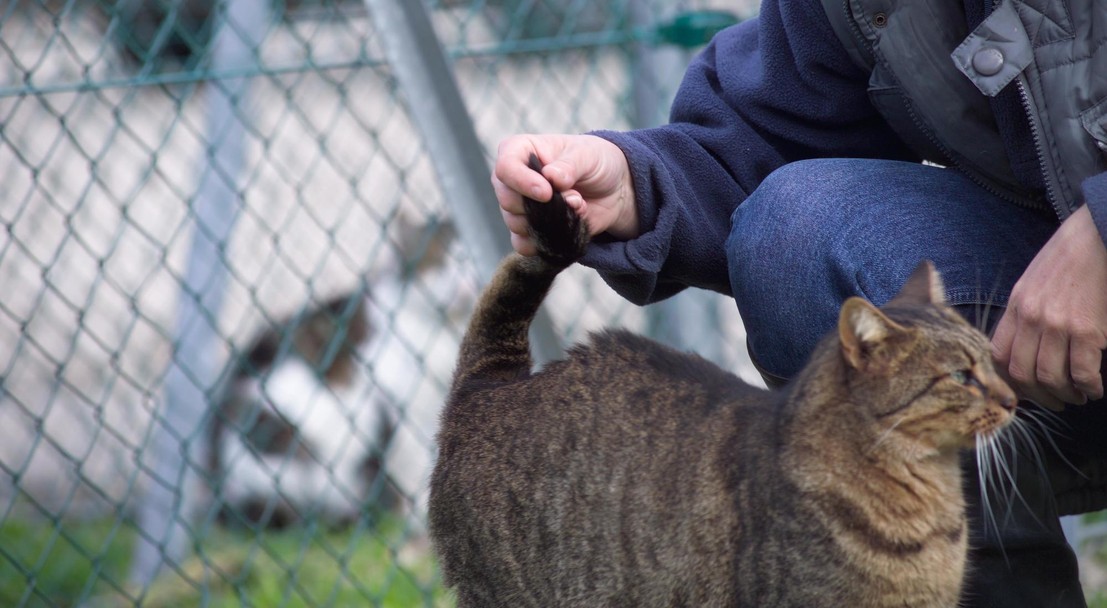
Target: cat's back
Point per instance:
(603, 444)
(620, 378)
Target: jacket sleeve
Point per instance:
(763, 93)
(1095, 197)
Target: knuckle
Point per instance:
(1088, 334)
(1001, 354)
(511, 202)
(1019, 373)
(1053, 320)
(517, 224)
(1050, 379)
(1085, 377)
(1030, 313)
(510, 142)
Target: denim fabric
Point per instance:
(817, 232)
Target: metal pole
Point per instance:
(178, 445)
(423, 73)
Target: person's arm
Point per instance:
(763, 93)
(1051, 338)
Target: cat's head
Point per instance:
(925, 375)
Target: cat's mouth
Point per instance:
(997, 416)
(999, 406)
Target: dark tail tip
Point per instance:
(560, 235)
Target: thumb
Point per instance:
(561, 172)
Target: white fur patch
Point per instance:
(867, 325)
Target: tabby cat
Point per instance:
(630, 474)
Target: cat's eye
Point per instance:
(962, 376)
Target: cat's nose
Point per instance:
(1005, 397)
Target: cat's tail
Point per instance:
(496, 347)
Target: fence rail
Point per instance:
(234, 273)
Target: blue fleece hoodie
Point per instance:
(764, 93)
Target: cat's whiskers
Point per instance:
(1034, 449)
(1009, 467)
(986, 304)
(987, 455)
(1023, 431)
(1046, 423)
(998, 473)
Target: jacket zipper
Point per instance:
(862, 43)
(1024, 202)
(1049, 178)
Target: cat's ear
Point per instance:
(924, 286)
(863, 330)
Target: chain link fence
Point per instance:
(233, 279)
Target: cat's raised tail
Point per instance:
(496, 347)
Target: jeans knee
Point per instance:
(795, 224)
(816, 232)
(795, 215)
(790, 262)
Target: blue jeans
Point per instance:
(817, 232)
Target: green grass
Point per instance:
(1097, 598)
(46, 565)
(85, 563)
(1093, 562)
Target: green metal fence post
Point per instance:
(421, 69)
(178, 447)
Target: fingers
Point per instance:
(1023, 366)
(524, 245)
(511, 202)
(1052, 367)
(561, 173)
(1051, 338)
(1046, 362)
(518, 226)
(1002, 338)
(511, 177)
(1086, 359)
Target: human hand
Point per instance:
(1050, 339)
(589, 171)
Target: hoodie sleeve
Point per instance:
(763, 93)
(1095, 197)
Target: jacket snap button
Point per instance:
(987, 62)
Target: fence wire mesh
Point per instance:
(226, 246)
